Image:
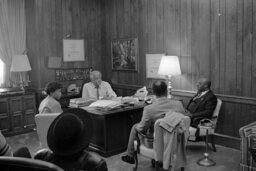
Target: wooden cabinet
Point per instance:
(17, 113)
(5, 124)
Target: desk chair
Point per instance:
(43, 122)
(25, 164)
(144, 146)
(202, 132)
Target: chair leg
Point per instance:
(213, 143)
(136, 160)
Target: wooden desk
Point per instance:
(112, 128)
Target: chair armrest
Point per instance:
(141, 135)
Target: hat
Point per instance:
(70, 132)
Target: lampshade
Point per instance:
(20, 63)
(169, 65)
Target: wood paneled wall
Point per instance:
(213, 38)
(50, 21)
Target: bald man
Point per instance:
(203, 103)
(150, 114)
(97, 89)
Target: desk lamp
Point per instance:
(169, 66)
(20, 63)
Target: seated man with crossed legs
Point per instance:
(151, 113)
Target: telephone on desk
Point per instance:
(72, 88)
(141, 93)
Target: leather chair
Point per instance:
(145, 146)
(202, 132)
(43, 122)
(25, 164)
(247, 163)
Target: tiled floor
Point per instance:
(227, 159)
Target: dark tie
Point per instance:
(197, 96)
(98, 93)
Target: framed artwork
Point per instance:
(124, 54)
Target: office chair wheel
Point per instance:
(153, 163)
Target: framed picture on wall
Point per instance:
(124, 54)
(73, 50)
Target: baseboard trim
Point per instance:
(227, 141)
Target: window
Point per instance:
(1, 72)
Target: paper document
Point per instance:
(107, 104)
(78, 102)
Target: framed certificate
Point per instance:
(73, 50)
(152, 65)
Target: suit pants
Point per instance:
(132, 137)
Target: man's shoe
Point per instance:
(128, 159)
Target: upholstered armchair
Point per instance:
(43, 122)
(25, 164)
(247, 162)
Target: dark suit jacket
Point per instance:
(204, 108)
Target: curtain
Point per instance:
(12, 34)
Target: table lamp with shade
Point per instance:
(169, 66)
(20, 64)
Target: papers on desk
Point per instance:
(80, 102)
(106, 104)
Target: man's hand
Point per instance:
(187, 113)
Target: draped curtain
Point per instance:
(12, 34)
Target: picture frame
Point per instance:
(124, 54)
(73, 50)
(152, 65)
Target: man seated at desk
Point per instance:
(97, 89)
(151, 113)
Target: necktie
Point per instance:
(98, 93)
(197, 96)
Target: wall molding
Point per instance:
(186, 93)
(221, 139)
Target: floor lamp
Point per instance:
(20, 64)
(169, 66)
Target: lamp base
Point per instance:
(169, 86)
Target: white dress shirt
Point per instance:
(90, 91)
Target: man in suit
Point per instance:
(203, 103)
(150, 114)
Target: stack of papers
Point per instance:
(80, 102)
(106, 104)
(130, 100)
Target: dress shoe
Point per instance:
(128, 159)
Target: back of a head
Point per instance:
(159, 88)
